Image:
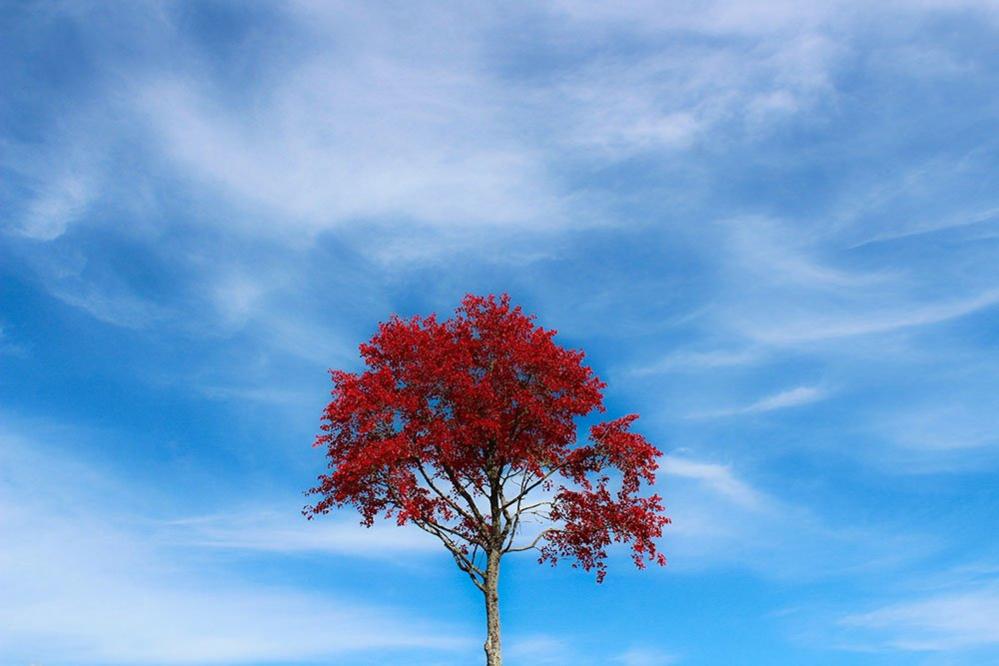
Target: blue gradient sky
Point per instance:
(773, 226)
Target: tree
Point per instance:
(466, 428)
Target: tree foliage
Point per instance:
(466, 428)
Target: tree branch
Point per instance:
(534, 485)
(533, 544)
(447, 498)
(462, 560)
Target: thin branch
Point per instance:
(431, 527)
(459, 557)
(447, 498)
(530, 507)
(534, 485)
(533, 544)
(450, 530)
(509, 530)
(464, 493)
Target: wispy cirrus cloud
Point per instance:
(941, 428)
(942, 622)
(719, 478)
(88, 582)
(431, 148)
(793, 397)
(823, 326)
(269, 530)
(720, 516)
(8, 346)
(554, 651)
(639, 656)
(780, 290)
(56, 207)
(695, 361)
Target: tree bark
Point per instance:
(494, 654)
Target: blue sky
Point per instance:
(773, 226)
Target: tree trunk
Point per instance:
(494, 655)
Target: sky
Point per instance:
(773, 226)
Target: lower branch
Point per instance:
(531, 545)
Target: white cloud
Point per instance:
(946, 622)
(539, 649)
(374, 137)
(289, 532)
(86, 582)
(785, 284)
(754, 17)
(800, 395)
(59, 204)
(7, 347)
(698, 360)
(678, 94)
(825, 326)
(644, 657)
(406, 147)
(786, 259)
(260, 394)
(721, 520)
(549, 650)
(401, 128)
(719, 478)
(710, 508)
(965, 424)
(795, 397)
(114, 304)
(936, 225)
(748, 18)
(61, 177)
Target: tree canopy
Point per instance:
(467, 429)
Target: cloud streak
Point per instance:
(719, 478)
(287, 532)
(85, 583)
(794, 397)
(941, 623)
(825, 327)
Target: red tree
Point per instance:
(466, 428)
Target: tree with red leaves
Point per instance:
(466, 428)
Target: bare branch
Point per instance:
(534, 485)
(533, 544)
(464, 493)
(461, 559)
(511, 529)
(531, 507)
(447, 498)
